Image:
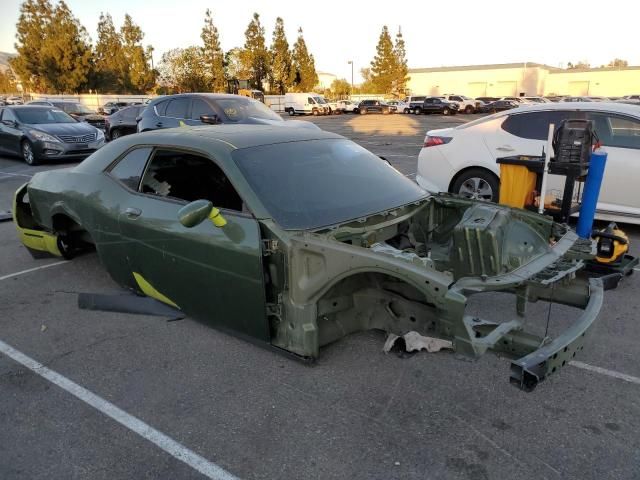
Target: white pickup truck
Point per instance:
(465, 104)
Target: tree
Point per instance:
(110, 65)
(618, 63)
(139, 77)
(255, 56)
(53, 48)
(304, 66)
(7, 82)
(580, 64)
(367, 85)
(183, 70)
(401, 71)
(340, 87)
(281, 66)
(384, 66)
(213, 55)
(233, 66)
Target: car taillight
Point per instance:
(433, 141)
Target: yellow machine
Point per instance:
(612, 244)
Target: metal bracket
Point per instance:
(269, 247)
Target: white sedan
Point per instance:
(347, 106)
(462, 159)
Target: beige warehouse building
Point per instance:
(513, 79)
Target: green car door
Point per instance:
(213, 274)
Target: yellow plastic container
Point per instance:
(516, 185)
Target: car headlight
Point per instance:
(45, 137)
(100, 134)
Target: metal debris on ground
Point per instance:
(415, 342)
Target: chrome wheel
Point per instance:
(27, 153)
(476, 189)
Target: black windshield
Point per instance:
(41, 115)
(316, 183)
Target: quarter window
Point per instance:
(161, 108)
(616, 130)
(189, 177)
(130, 167)
(8, 116)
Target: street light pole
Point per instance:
(350, 62)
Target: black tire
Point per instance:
(291, 112)
(363, 111)
(28, 155)
(315, 112)
(446, 111)
(477, 184)
(356, 110)
(417, 111)
(469, 109)
(406, 110)
(116, 133)
(65, 246)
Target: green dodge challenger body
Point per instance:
(297, 237)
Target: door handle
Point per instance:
(159, 124)
(506, 148)
(132, 212)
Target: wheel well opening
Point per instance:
(464, 170)
(374, 301)
(64, 224)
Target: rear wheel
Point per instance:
(363, 111)
(446, 111)
(468, 109)
(291, 112)
(417, 111)
(477, 184)
(406, 110)
(28, 154)
(115, 134)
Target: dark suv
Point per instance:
(437, 105)
(123, 122)
(374, 106)
(209, 108)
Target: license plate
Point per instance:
(82, 146)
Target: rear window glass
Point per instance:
(535, 125)
(616, 131)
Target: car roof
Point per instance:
(613, 107)
(212, 96)
(236, 136)
(217, 140)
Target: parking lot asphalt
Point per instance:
(357, 413)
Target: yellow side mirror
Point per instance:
(216, 217)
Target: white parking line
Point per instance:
(11, 275)
(16, 174)
(173, 448)
(604, 371)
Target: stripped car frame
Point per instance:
(408, 268)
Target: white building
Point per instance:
(325, 80)
(513, 79)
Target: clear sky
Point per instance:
(436, 33)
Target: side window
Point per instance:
(130, 113)
(177, 108)
(161, 108)
(310, 100)
(189, 177)
(616, 130)
(130, 167)
(200, 107)
(457, 99)
(535, 125)
(8, 116)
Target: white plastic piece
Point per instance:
(415, 342)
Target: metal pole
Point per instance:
(350, 62)
(547, 158)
